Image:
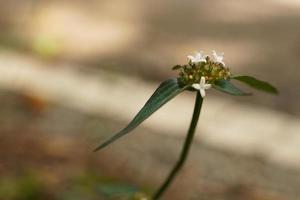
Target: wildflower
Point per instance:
(201, 73)
(218, 58)
(202, 86)
(198, 57)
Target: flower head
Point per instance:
(218, 58)
(211, 67)
(198, 57)
(202, 86)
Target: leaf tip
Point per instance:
(98, 148)
(257, 84)
(275, 91)
(103, 145)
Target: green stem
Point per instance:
(185, 149)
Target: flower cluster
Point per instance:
(203, 70)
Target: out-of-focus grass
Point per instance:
(87, 186)
(46, 47)
(12, 41)
(27, 187)
(42, 46)
(91, 186)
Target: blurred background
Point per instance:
(74, 72)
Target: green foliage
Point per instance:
(90, 186)
(22, 188)
(164, 93)
(12, 41)
(257, 84)
(199, 74)
(229, 88)
(192, 72)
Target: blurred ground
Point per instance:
(146, 38)
(47, 132)
(65, 167)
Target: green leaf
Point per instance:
(165, 92)
(257, 84)
(229, 88)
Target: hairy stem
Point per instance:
(185, 149)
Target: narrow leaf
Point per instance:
(165, 92)
(257, 84)
(229, 88)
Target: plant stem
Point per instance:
(185, 149)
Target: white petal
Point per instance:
(198, 57)
(191, 57)
(199, 52)
(202, 92)
(218, 58)
(202, 81)
(214, 53)
(207, 86)
(196, 86)
(202, 60)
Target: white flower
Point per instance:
(218, 58)
(198, 57)
(202, 86)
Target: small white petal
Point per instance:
(202, 60)
(207, 86)
(202, 81)
(196, 86)
(218, 58)
(190, 57)
(202, 86)
(198, 57)
(202, 92)
(214, 53)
